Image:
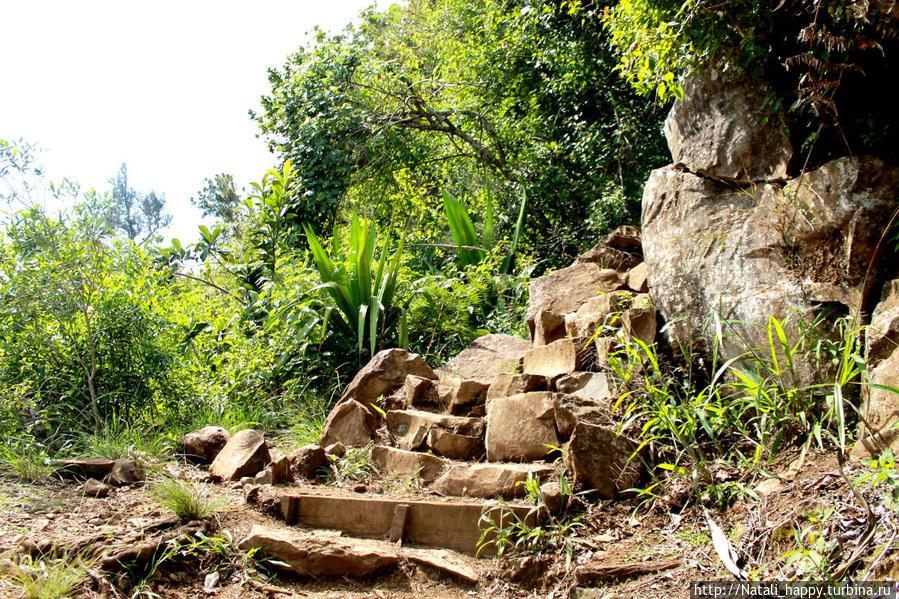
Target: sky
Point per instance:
(162, 86)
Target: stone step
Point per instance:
(458, 478)
(319, 553)
(412, 430)
(447, 524)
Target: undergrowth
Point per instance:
(46, 578)
(187, 501)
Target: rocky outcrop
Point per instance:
(728, 129)
(880, 410)
(763, 250)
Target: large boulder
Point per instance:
(384, 374)
(880, 410)
(349, 423)
(522, 427)
(763, 250)
(202, 445)
(245, 454)
(487, 357)
(728, 129)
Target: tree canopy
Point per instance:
(483, 98)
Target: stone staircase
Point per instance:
(503, 411)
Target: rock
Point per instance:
(551, 495)
(94, 488)
(620, 250)
(587, 385)
(486, 357)
(487, 480)
(420, 392)
(604, 347)
(548, 327)
(458, 394)
(581, 407)
(445, 561)
(601, 460)
(640, 323)
(349, 423)
(520, 427)
(277, 471)
(550, 361)
(336, 450)
(314, 554)
(880, 408)
(383, 374)
(202, 445)
(245, 454)
(409, 428)
(567, 289)
(726, 128)
(308, 460)
(592, 315)
(454, 445)
(85, 468)
(124, 472)
(756, 252)
(506, 384)
(407, 464)
(638, 278)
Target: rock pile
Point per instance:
(506, 408)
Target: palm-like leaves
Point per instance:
(365, 302)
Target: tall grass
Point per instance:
(743, 410)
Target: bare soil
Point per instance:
(620, 549)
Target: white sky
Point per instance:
(163, 86)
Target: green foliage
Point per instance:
(504, 531)
(353, 466)
(85, 319)
(364, 296)
(26, 458)
(185, 500)
(495, 101)
(219, 199)
(748, 408)
(824, 59)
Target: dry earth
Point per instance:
(621, 550)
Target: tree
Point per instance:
(219, 199)
(479, 97)
(134, 214)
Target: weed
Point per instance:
(185, 500)
(49, 579)
(28, 461)
(354, 465)
(121, 440)
(539, 530)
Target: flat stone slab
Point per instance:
(488, 480)
(314, 554)
(449, 525)
(486, 357)
(410, 428)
